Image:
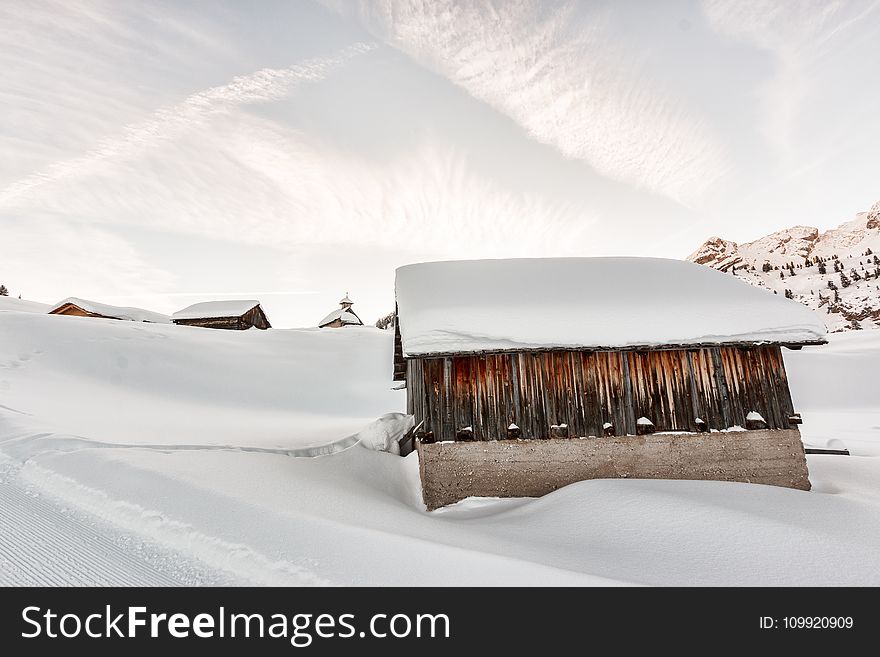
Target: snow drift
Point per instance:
(155, 454)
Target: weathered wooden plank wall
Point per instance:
(584, 390)
(254, 317)
(399, 361)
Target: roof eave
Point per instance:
(796, 344)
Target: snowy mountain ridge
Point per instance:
(837, 273)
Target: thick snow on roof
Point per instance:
(498, 305)
(346, 316)
(117, 312)
(212, 309)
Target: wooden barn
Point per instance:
(342, 316)
(234, 315)
(648, 367)
(76, 307)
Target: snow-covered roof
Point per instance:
(345, 299)
(214, 309)
(587, 303)
(116, 312)
(346, 316)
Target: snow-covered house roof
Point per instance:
(216, 309)
(345, 316)
(105, 310)
(588, 303)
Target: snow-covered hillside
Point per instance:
(836, 272)
(160, 454)
(23, 306)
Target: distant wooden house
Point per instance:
(234, 315)
(659, 367)
(342, 316)
(76, 307)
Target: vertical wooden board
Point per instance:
(505, 381)
(728, 357)
(448, 410)
(543, 423)
(516, 398)
(410, 398)
(588, 400)
(483, 393)
(426, 393)
(744, 388)
(661, 374)
(718, 370)
(643, 395)
(627, 368)
(562, 402)
(750, 393)
(655, 406)
(417, 392)
(597, 368)
(640, 394)
(535, 390)
(714, 389)
(543, 382)
(707, 390)
(685, 420)
(772, 401)
(505, 405)
(752, 396)
(440, 428)
(603, 386)
(618, 385)
(577, 408)
(697, 404)
(592, 398)
(728, 361)
(493, 394)
(594, 410)
(670, 379)
(432, 395)
(778, 400)
(783, 394)
(525, 386)
(784, 390)
(640, 377)
(693, 409)
(571, 416)
(764, 406)
(525, 402)
(556, 377)
(464, 416)
(452, 372)
(498, 385)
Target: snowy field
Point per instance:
(155, 454)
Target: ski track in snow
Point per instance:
(44, 544)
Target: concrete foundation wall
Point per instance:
(452, 471)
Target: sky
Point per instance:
(162, 153)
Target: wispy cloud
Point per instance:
(166, 123)
(797, 34)
(249, 180)
(572, 87)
